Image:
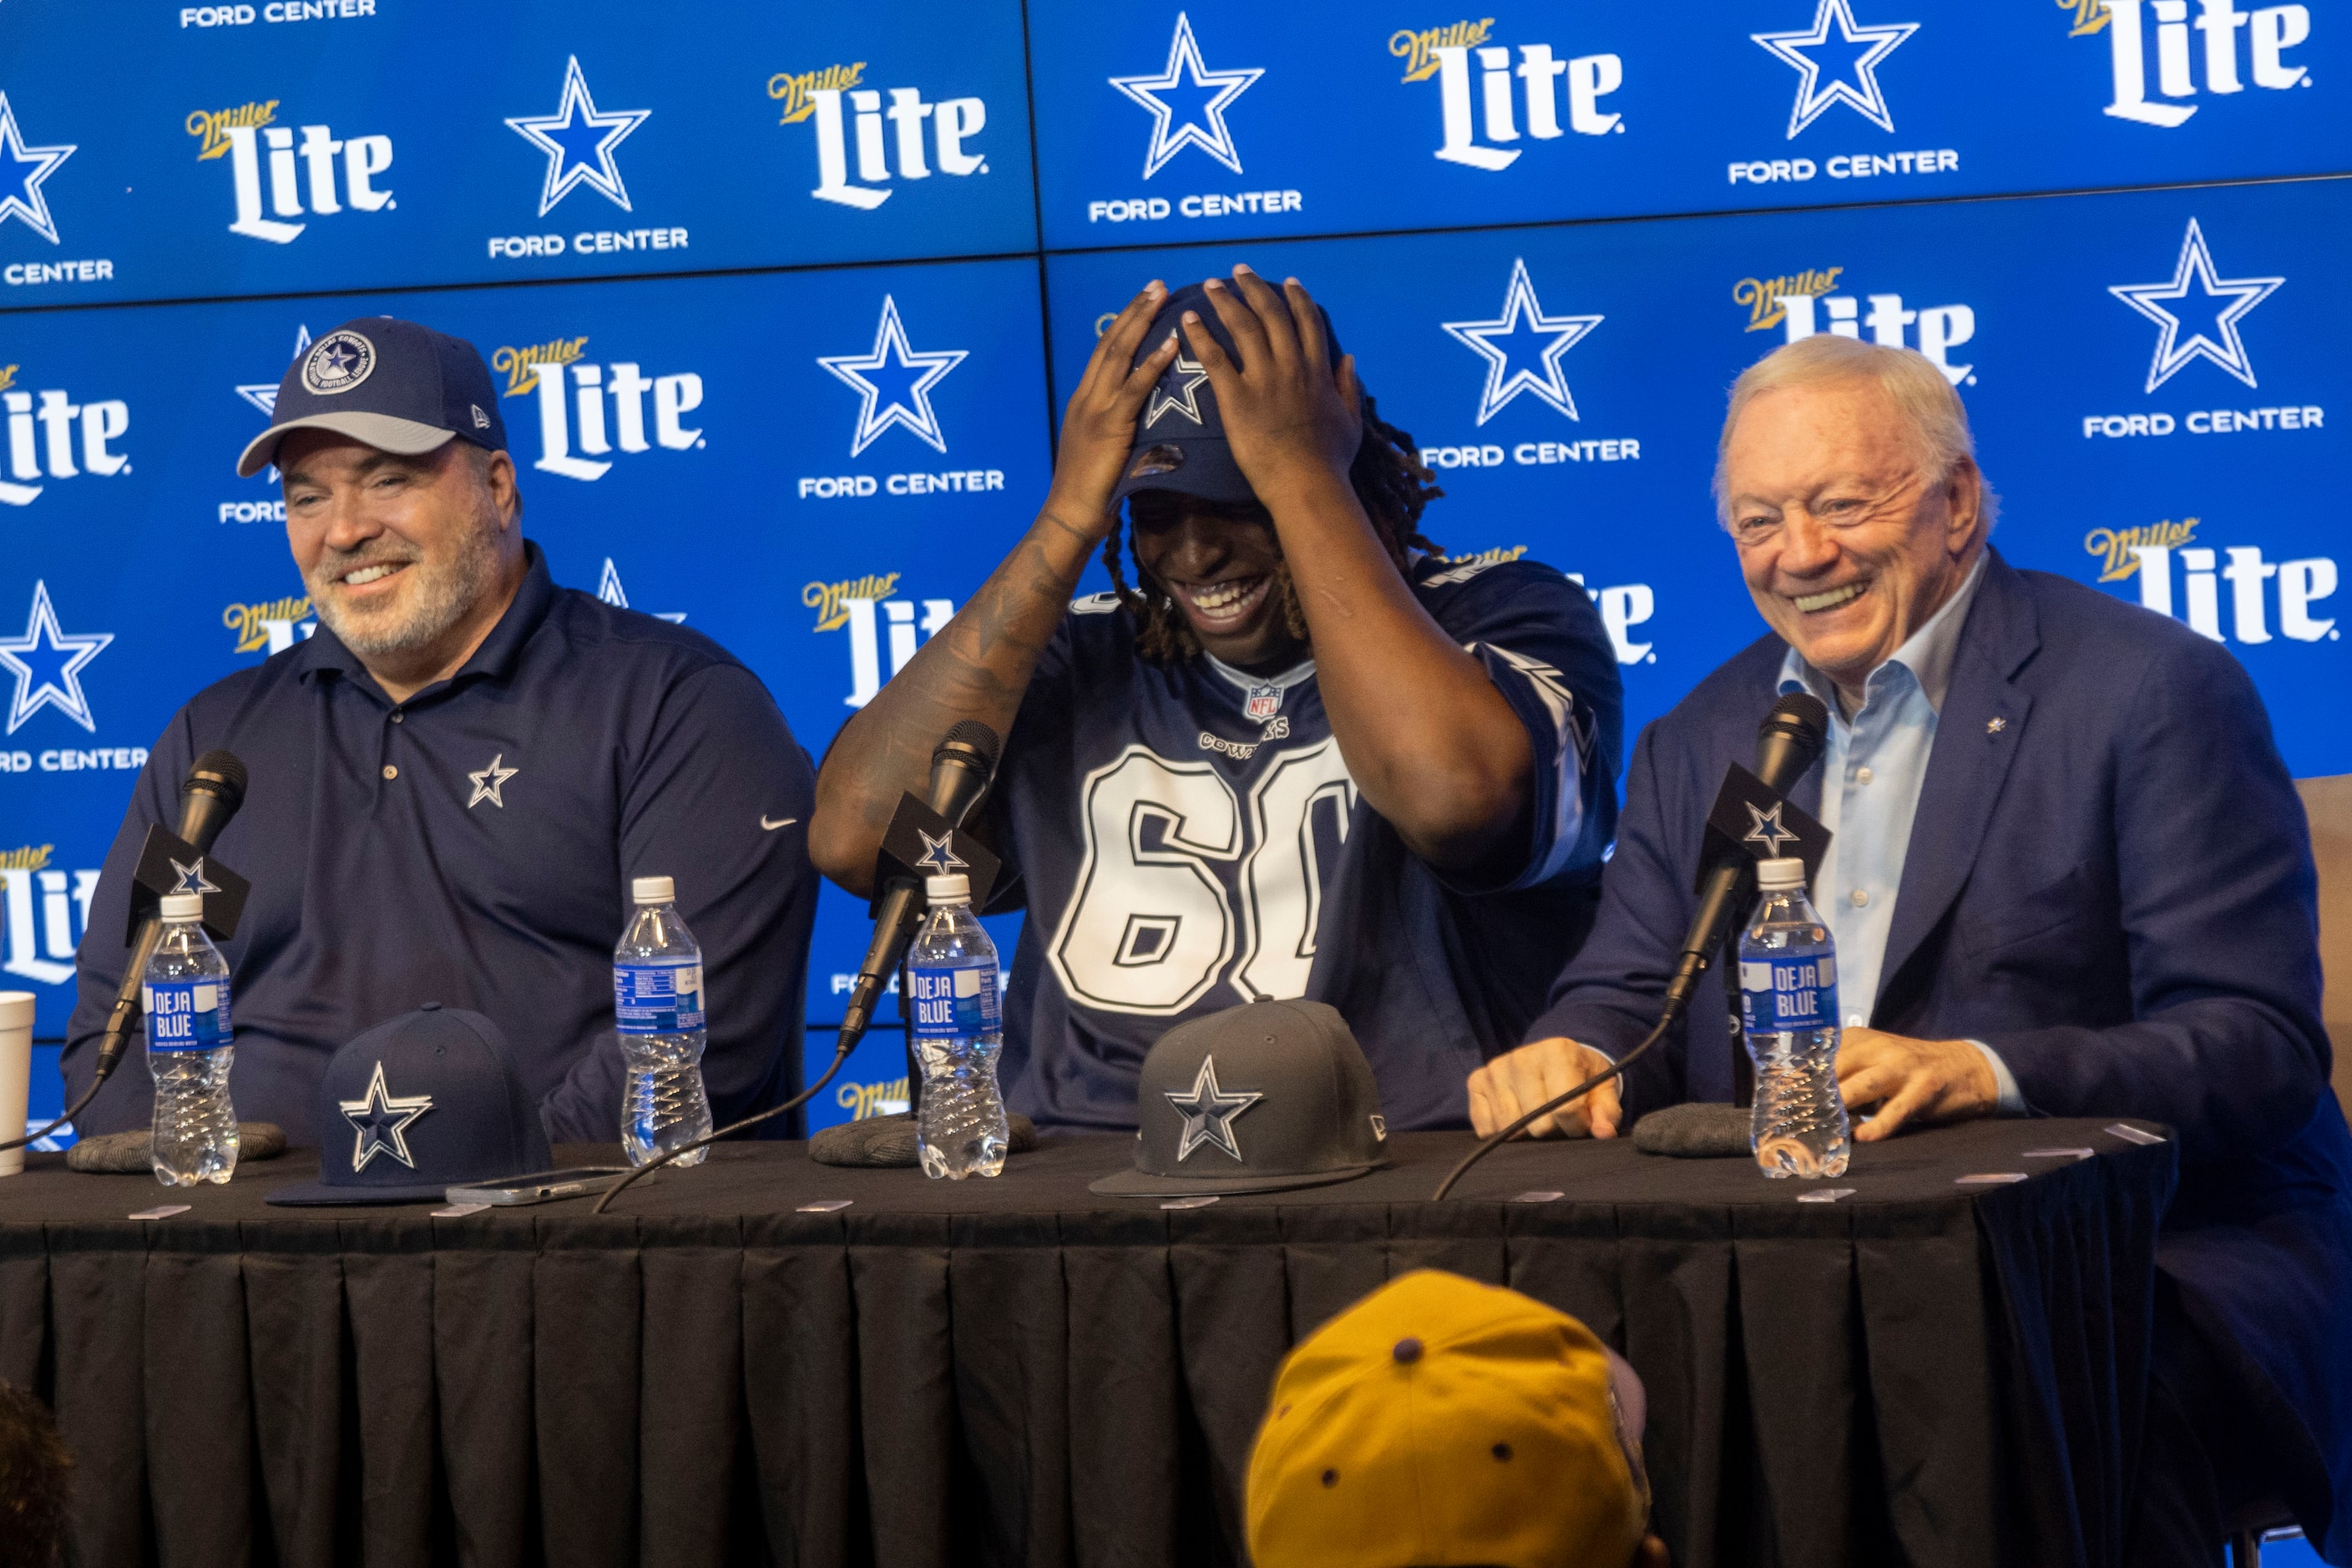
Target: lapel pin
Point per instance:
(1995, 726)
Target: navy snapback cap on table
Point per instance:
(1180, 442)
(419, 1104)
(1256, 1098)
(396, 385)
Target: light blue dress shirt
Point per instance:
(1873, 770)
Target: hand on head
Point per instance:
(1099, 424)
(1287, 410)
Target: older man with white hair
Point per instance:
(2070, 878)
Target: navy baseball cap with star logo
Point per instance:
(1180, 437)
(1256, 1098)
(417, 1105)
(398, 387)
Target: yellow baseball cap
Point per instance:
(1440, 1422)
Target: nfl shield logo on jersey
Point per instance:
(1263, 702)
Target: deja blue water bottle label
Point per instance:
(1786, 993)
(186, 1014)
(955, 1000)
(656, 998)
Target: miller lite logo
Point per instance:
(2269, 33)
(919, 138)
(330, 172)
(602, 409)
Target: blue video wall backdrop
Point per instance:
(809, 284)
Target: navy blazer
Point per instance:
(2110, 882)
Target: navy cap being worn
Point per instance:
(1257, 1099)
(417, 1105)
(399, 387)
(1179, 441)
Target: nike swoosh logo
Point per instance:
(772, 826)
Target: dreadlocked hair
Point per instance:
(1392, 484)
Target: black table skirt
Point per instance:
(1017, 1371)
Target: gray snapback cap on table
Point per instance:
(398, 387)
(1256, 1098)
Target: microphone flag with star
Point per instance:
(921, 843)
(170, 864)
(1748, 819)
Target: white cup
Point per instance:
(16, 1072)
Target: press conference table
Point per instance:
(1018, 1370)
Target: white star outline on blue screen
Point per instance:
(578, 143)
(381, 1119)
(1209, 1112)
(1863, 93)
(22, 170)
(56, 680)
(1209, 132)
(2196, 265)
(939, 855)
(263, 395)
(1768, 830)
(909, 407)
(1505, 383)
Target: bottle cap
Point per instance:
(1781, 875)
(654, 891)
(183, 906)
(952, 889)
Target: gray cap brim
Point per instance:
(401, 438)
(1141, 1185)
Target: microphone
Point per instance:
(962, 769)
(1788, 741)
(210, 796)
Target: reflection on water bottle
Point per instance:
(1788, 1010)
(960, 1128)
(657, 1011)
(185, 995)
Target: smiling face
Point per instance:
(1219, 562)
(407, 558)
(1848, 542)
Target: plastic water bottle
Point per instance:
(1789, 1012)
(185, 995)
(659, 1014)
(960, 1125)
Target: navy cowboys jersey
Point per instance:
(1184, 837)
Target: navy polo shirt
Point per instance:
(473, 846)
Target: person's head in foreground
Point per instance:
(33, 1488)
(1439, 1423)
(401, 504)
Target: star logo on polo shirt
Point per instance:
(939, 854)
(1861, 47)
(1767, 830)
(1209, 1112)
(192, 878)
(489, 782)
(381, 1121)
(895, 383)
(578, 143)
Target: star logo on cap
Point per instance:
(489, 782)
(48, 663)
(895, 381)
(1525, 334)
(578, 143)
(192, 878)
(1209, 1112)
(381, 1119)
(2194, 274)
(22, 170)
(939, 855)
(1862, 92)
(1767, 830)
(1205, 128)
(1187, 376)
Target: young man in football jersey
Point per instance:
(1305, 755)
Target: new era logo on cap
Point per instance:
(1256, 1098)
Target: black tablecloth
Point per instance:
(1019, 1371)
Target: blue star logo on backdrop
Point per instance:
(263, 395)
(192, 878)
(489, 782)
(1863, 48)
(578, 143)
(1209, 1112)
(1186, 375)
(22, 170)
(939, 855)
(2222, 345)
(1767, 829)
(48, 664)
(381, 1118)
(895, 381)
(1535, 340)
(609, 589)
(1205, 128)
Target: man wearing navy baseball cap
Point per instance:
(1306, 756)
(454, 781)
